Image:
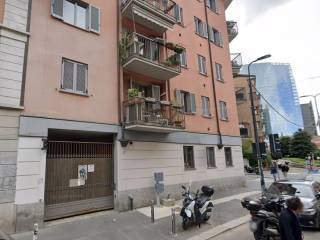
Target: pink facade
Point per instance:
(53, 40)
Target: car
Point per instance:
(308, 192)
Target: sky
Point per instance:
(286, 29)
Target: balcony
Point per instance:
(150, 57)
(149, 115)
(232, 30)
(157, 15)
(236, 61)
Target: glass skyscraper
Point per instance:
(276, 83)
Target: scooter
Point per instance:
(264, 217)
(197, 208)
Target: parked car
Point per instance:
(308, 192)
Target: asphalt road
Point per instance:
(243, 233)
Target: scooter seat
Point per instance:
(203, 199)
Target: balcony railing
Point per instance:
(147, 114)
(236, 61)
(164, 6)
(232, 27)
(154, 53)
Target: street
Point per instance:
(243, 233)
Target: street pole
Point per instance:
(254, 122)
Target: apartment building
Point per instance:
(116, 91)
(308, 117)
(242, 93)
(14, 34)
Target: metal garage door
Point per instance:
(79, 178)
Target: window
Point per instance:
(188, 157)
(228, 156)
(74, 76)
(223, 111)
(183, 59)
(213, 5)
(206, 107)
(215, 37)
(240, 95)
(199, 26)
(77, 13)
(219, 74)
(178, 13)
(202, 65)
(211, 161)
(187, 101)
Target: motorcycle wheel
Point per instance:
(206, 217)
(185, 223)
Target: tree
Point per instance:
(285, 145)
(247, 152)
(301, 144)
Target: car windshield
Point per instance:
(292, 189)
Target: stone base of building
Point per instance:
(143, 197)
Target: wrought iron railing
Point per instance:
(147, 111)
(165, 6)
(154, 50)
(233, 31)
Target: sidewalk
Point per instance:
(136, 225)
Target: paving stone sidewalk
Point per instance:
(134, 225)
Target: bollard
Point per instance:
(131, 202)
(152, 211)
(173, 221)
(35, 231)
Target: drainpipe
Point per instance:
(118, 60)
(220, 144)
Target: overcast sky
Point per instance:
(287, 29)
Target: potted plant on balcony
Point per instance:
(172, 61)
(123, 46)
(133, 92)
(178, 49)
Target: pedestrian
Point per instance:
(274, 170)
(285, 169)
(289, 224)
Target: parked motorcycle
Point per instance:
(265, 215)
(197, 208)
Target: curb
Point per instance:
(221, 229)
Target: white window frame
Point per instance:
(219, 72)
(223, 111)
(179, 17)
(75, 79)
(199, 26)
(214, 165)
(88, 15)
(183, 59)
(206, 106)
(202, 65)
(213, 5)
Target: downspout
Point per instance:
(168, 81)
(26, 52)
(220, 144)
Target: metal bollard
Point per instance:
(152, 211)
(35, 231)
(173, 221)
(130, 202)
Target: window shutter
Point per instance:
(220, 39)
(94, 19)
(181, 14)
(156, 92)
(199, 64)
(216, 6)
(211, 34)
(193, 102)
(178, 97)
(203, 106)
(208, 3)
(57, 8)
(81, 78)
(205, 29)
(68, 75)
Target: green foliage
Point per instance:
(123, 46)
(247, 152)
(301, 145)
(133, 92)
(285, 145)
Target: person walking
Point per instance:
(274, 170)
(285, 169)
(289, 224)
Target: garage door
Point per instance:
(79, 178)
